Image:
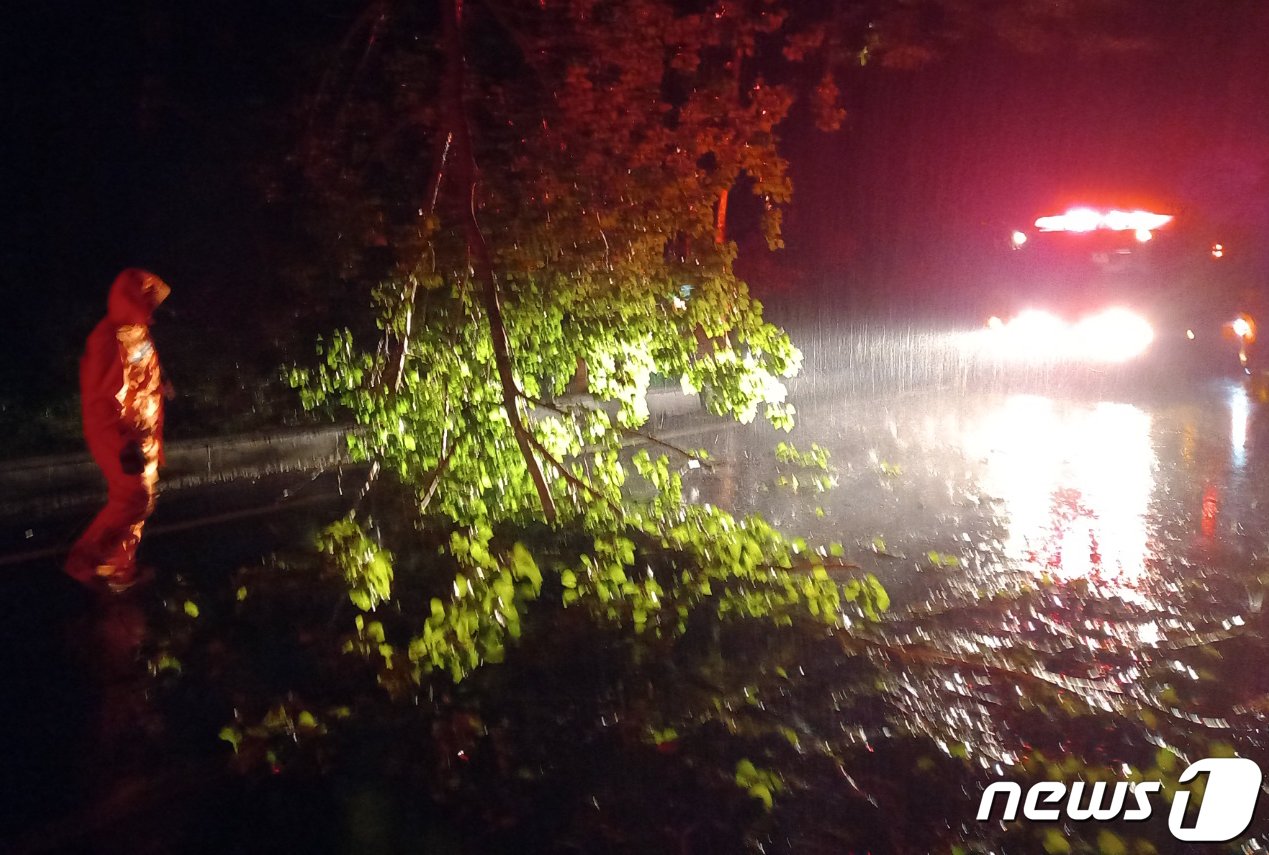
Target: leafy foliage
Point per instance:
(588, 253)
(759, 783)
(366, 568)
(566, 236)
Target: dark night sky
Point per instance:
(986, 139)
(135, 134)
(129, 126)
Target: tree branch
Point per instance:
(434, 190)
(478, 250)
(655, 440)
(826, 563)
(578, 483)
(436, 478)
(433, 193)
(371, 477)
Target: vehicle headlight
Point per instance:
(1115, 335)
(1243, 328)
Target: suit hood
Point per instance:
(134, 296)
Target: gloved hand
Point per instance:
(131, 459)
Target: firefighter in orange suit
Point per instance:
(122, 392)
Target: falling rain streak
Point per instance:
(1078, 541)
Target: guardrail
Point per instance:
(40, 485)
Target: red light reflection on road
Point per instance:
(1211, 509)
(1075, 483)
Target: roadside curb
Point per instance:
(40, 485)
(43, 484)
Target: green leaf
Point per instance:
(1055, 842)
(1109, 843)
(167, 662)
(524, 566)
(231, 735)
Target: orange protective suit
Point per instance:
(121, 391)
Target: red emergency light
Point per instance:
(1088, 219)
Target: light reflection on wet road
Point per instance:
(1074, 483)
(1095, 546)
(1076, 489)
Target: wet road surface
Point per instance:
(1098, 543)
(1110, 491)
(1114, 546)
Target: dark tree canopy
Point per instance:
(544, 188)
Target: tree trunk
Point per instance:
(720, 222)
(464, 171)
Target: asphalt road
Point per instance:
(1108, 486)
(1122, 487)
(1149, 501)
(1112, 541)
